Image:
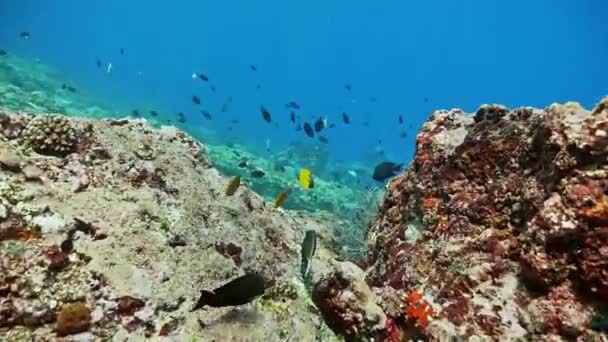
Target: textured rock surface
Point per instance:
(118, 243)
(502, 222)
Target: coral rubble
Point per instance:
(502, 222)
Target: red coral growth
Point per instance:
(418, 310)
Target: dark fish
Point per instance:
(323, 139)
(212, 88)
(253, 67)
(206, 114)
(181, 117)
(400, 120)
(98, 63)
(265, 114)
(68, 88)
(234, 121)
(299, 127)
(386, 170)
(24, 35)
(319, 124)
(258, 87)
(203, 77)
(239, 291)
(292, 117)
(153, 113)
(426, 100)
(308, 130)
(257, 173)
(403, 135)
(366, 123)
(122, 51)
(2, 52)
(135, 113)
(224, 107)
(232, 186)
(243, 164)
(345, 118)
(196, 100)
(348, 87)
(292, 105)
(309, 246)
(332, 125)
(373, 99)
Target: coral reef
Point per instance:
(502, 220)
(102, 243)
(51, 135)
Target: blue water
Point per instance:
(454, 54)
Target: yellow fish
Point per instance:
(305, 179)
(233, 185)
(280, 199)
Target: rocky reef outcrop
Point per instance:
(499, 227)
(111, 229)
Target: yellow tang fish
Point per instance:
(305, 179)
(280, 199)
(233, 185)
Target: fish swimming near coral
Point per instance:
(25, 35)
(239, 291)
(206, 114)
(292, 117)
(320, 124)
(345, 118)
(308, 130)
(309, 246)
(292, 105)
(153, 113)
(280, 199)
(232, 186)
(200, 76)
(265, 114)
(323, 139)
(305, 179)
(257, 174)
(196, 99)
(386, 170)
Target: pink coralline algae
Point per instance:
(502, 219)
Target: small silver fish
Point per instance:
(309, 245)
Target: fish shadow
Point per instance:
(237, 315)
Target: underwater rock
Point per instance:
(139, 244)
(32, 172)
(347, 303)
(9, 159)
(503, 219)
